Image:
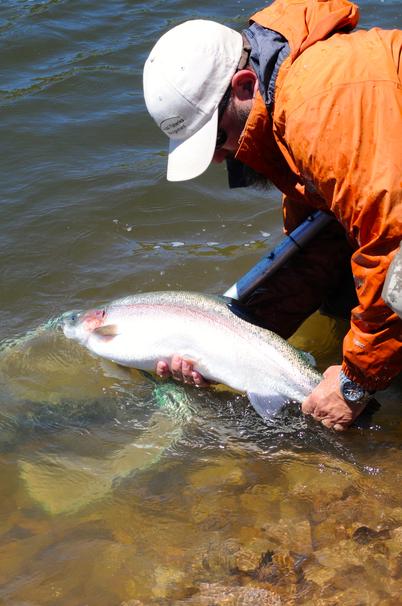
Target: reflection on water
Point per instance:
(117, 489)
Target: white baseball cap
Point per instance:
(185, 77)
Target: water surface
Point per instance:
(115, 489)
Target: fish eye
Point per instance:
(74, 317)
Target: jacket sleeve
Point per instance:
(310, 277)
(346, 143)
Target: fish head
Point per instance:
(81, 325)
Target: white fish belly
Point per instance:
(222, 351)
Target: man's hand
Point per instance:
(181, 370)
(326, 404)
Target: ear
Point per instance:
(244, 84)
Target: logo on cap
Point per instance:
(173, 126)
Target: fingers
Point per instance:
(199, 380)
(334, 417)
(339, 427)
(325, 416)
(319, 415)
(308, 406)
(329, 413)
(181, 370)
(162, 370)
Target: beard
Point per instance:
(254, 179)
(239, 174)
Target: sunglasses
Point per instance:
(222, 135)
(221, 138)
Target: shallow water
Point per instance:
(116, 489)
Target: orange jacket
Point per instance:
(333, 142)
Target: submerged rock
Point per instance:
(215, 594)
(225, 472)
(365, 535)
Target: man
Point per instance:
(315, 108)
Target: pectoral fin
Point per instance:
(109, 330)
(266, 406)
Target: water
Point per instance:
(114, 489)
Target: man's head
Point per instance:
(186, 76)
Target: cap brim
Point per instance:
(191, 157)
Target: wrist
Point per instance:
(352, 392)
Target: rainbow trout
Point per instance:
(139, 330)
